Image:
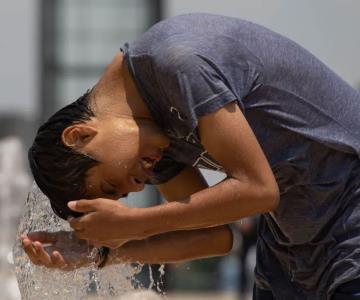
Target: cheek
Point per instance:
(119, 149)
(126, 143)
(120, 168)
(124, 151)
(120, 176)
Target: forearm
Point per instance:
(223, 203)
(175, 246)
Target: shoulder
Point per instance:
(177, 52)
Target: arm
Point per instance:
(180, 245)
(67, 253)
(176, 246)
(250, 188)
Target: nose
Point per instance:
(136, 185)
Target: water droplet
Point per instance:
(42, 283)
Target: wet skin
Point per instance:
(125, 139)
(133, 147)
(118, 173)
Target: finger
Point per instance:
(42, 255)
(99, 244)
(58, 260)
(81, 222)
(76, 224)
(30, 251)
(113, 244)
(43, 237)
(84, 206)
(23, 238)
(96, 244)
(81, 235)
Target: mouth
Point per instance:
(146, 171)
(148, 163)
(138, 181)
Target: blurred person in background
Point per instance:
(209, 91)
(248, 230)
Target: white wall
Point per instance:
(18, 56)
(328, 28)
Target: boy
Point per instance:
(216, 92)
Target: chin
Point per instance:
(140, 188)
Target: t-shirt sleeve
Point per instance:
(192, 84)
(185, 76)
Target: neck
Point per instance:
(116, 93)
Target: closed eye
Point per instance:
(110, 190)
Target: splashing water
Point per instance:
(42, 283)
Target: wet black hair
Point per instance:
(58, 170)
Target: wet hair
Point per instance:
(58, 170)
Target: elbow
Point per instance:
(266, 195)
(227, 240)
(221, 242)
(271, 196)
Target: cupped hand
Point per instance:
(105, 223)
(61, 250)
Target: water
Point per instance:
(36, 282)
(14, 186)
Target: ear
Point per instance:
(77, 136)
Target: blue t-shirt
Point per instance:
(305, 118)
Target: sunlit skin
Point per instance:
(120, 137)
(126, 141)
(124, 166)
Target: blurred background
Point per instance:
(53, 51)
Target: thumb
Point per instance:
(84, 206)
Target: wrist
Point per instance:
(140, 224)
(135, 223)
(157, 220)
(130, 252)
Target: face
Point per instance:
(127, 149)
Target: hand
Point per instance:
(59, 250)
(112, 244)
(106, 223)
